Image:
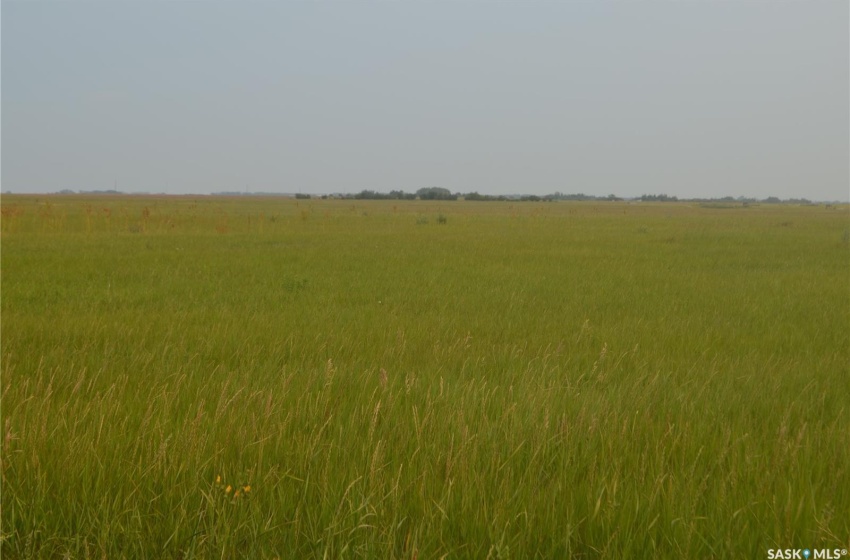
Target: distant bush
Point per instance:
(370, 195)
(578, 196)
(487, 197)
(658, 198)
(435, 193)
(401, 195)
(375, 195)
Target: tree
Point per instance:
(435, 193)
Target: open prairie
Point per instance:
(198, 377)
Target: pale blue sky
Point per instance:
(702, 98)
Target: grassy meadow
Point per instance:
(201, 377)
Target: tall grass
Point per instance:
(515, 380)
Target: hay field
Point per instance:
(201, 377)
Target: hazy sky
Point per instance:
(688, 98)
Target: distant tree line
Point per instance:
(725, 199)
(108, 191)
(581, 196)
(658, 198)
(440, 193)
(425, 193)
(392, 195)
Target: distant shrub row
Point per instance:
(440, 193)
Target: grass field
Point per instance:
(199, 377)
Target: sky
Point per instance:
(694, 98)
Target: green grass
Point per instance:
(514, 380)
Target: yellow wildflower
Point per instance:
(218, 479)
(247, 488)
(228, 489)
